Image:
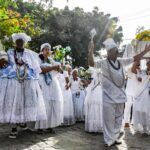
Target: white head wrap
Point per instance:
(23, 36)
(75, 69)
(3, 55)
(45, 45)
(109, 44)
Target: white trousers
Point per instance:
(112, 121)
(127, 111)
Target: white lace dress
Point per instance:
(69, 118)
(53, 100)
(78, 96)
(94, 105)
(22, 102)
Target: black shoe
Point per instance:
(120, 134)
(23, 126)
(13, 133)
(106, 145)
(40, 131)
(117, 142)
(51, 130)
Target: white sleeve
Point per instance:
(66, 74)
(126, 61)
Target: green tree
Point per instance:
(68, 27)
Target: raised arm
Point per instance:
(90, 54)
(140, 55)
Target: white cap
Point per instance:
(3, 55)
(75, 69)
(109, 44)
(45, 45)
(23, 36)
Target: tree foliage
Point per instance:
(68, 27)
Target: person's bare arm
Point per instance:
(140, 55)
(49, 68)
(90, 54)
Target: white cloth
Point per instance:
(21, 102)
(45, 45)
(113, 93)
(109, 44)
(53, 100)
(78, 97)
(69, 118)
(94, 105)
(128, 109)
(23, 36)
(130, 92)
(112, 121)
(3, 55)
(141, 106)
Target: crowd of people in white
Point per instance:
(37, 93)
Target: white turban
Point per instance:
(23, 36)
(75, 69)
(109, 44)
(3, 55)
(45, 45)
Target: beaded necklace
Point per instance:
(19, 64)
(110, 73)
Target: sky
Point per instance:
(131, 13)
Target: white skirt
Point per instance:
(5, 109)
(78, 102)
(23, 102)
(93, 110)
(69, 118)
(54, 104)
(141, 113)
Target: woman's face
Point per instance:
(46, 51)
(20, 44)
(75, 74)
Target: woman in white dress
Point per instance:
(141, 105)
(51, 90)
(23, 100)
(93, 104)
(4, 71)
(78, 96)
(69, 118)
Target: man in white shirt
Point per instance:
(114, 96)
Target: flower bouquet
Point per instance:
(60, 52)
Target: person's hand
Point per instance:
(139, 79)
(91, 46)
(3, 63)
(57, 68)
(67, 87)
